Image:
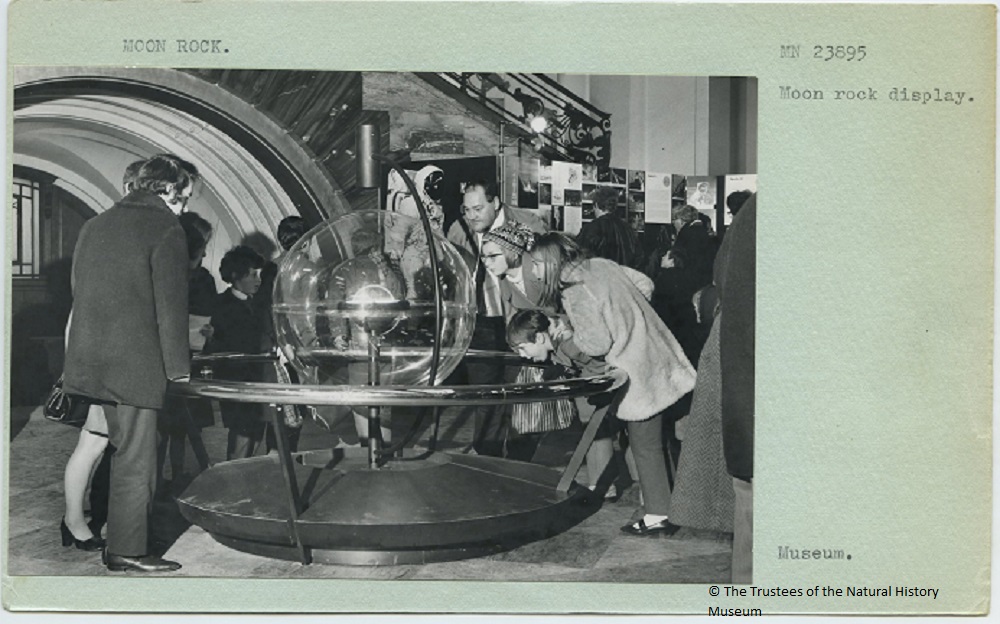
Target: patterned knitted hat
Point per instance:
(513, 236)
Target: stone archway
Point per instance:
(245, 154)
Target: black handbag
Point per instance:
(68, 409)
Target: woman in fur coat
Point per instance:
(608, 307)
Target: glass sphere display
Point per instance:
(354, 302)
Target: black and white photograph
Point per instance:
(736, 189)
(230, 287)
(544, 193)
(322, 308)
(636, 202)
(702, 195)
(636, 180)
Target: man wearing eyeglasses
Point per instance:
(129, 338)
(483, 211)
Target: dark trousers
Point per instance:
(132, 430)
(491, 421)
(645, 437)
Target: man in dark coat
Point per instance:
(482, 211)
(129, 337)
(735, 277)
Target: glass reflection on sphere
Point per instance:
(361, 286)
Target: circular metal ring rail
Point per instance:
(254, 358)
(257, 392)
(254, 392)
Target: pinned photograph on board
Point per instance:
(558, 195)
(544, 193)
(636, 180)
(557, 218)
(637, 202)
(680, 187)
(701, 192)
(527, 188)
(737, 189)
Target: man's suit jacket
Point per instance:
(129, 333)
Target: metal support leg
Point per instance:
(295, 507)
(374, 426)
(581, 451)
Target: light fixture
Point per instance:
(538, 123)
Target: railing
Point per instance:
(559, 121)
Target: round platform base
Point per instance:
(438, 507)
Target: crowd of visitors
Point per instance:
(677, 320)
(583, 306)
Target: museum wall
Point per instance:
(677, 124)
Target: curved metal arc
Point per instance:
(253, 392)
(438, 304)
(432, 252)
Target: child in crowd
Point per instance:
(237, 328)
(536, 336)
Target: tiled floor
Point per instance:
(594, 550)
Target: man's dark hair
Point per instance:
(131, 173)
(525, 326)
(163, 170)
(238, 262)
(290, 230)
(489, 187)
(606, 199)
(736, 200)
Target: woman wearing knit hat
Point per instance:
(501, 255)
(502, 251)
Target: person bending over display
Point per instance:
(608, 307)
(539, 337)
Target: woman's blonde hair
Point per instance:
(556, 251)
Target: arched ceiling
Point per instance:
(88, 141)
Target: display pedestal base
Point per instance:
(439, 507)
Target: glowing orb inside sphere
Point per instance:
(359, 287)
